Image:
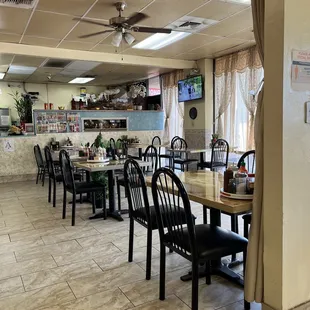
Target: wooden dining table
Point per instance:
(141, 146)
(204, 188)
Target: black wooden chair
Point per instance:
(150, 155)
(54, 175)
(74, 188)
(199, 244)
(41, 165)
(219, 156)
(140, 210)
(167, 155)
(181, 158)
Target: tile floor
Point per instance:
(47, 264)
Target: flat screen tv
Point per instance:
(190, 88)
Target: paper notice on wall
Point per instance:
(8, 145)
(301, 70)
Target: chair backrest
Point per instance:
(220, 153)
(138, 202)
(151, 156)
(38, 155)
(171, 202)
(49, 162)
(179, 144)
(67, 170)
(156, 141)
(112, 144)
(172, 140)
(249, 160)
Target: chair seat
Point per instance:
(77, 177)
(207, 164)
(184, 161)
(141, 214)
(212, 242)
(88, 187)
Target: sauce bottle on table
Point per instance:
(228, 174)
(241, 180)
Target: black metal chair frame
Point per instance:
(167, 156)
(181, 158)
(246, 158)
(149, 155)
(40, 164)
(174, 237)
(69, 185)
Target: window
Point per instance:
(154, 86)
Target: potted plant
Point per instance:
(138, 93)
(23, 105)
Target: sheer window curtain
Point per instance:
(174, 111)
(235, 76)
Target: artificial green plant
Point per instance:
(23, 105)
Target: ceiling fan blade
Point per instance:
(88, 21)
(136, 18)
(151, 30)
(94, 34)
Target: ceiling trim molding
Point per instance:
(49, 52)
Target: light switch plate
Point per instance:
(307, 112)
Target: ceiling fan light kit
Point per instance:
(123, 25)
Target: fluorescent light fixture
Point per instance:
(81, 80)
(2, 74)
(129, 38)
(117, 39)
(160, 40)
(21, 70)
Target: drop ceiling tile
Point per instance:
(235, 49)
(218, 46)
(218, 10)
(246, 34)
(29, 40)
(84, 28)
(82, 65)
(193, 56)
(105, 9)
(185, 45)
(46, 71)
(28, 61)
(71, 7)
(50, 25)
(72, 73)
(15, 77)
(6, 59)
(83, 46)
(104, 69)
(13, 20)
(11, 38)
(164, 12)
(138, 52)
(4, 68)
(232, 24)
(106, 48)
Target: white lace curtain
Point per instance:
(174, 111)
(237, 78)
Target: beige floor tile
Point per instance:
(7, 258)
(60, 274)
(37, 233)
(171, 303)
(138, 242)
(36, 299)
(16, 228)
(93, 252)
(29, 266)
(113, 299)
(13, 210)
(4, 239)
(46, 250)
(11, 286)
(216, 295)
(173, 262)
(52, 222)
(108, 280)
(99, 240)
(84, 232)
(19, 245)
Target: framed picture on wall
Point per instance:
(29, 128)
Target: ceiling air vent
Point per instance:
(22, 4)
(56, 63)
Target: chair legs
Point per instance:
(208, 272)
(148, 254)
(162, 276)
(205, 215)
(43, 176)
(104, 205)
(93, 201)
(64, 206)
(234, 228)
(247, 305)
(131, 235)
(49, 189)
(118, 195)
(195, 284)
(54, 194)
(38, 175)
(73, 209)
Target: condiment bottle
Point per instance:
(228, 174)
(234, 168)
(241, 180)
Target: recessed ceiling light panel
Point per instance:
(160, 40)
(81, 80)
(21, 70)
(2, 74)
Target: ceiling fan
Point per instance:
(122, 26)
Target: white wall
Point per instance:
(58, 94)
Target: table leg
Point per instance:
(140, 153)
(111, 212)
(201, 160)
(217, 267)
